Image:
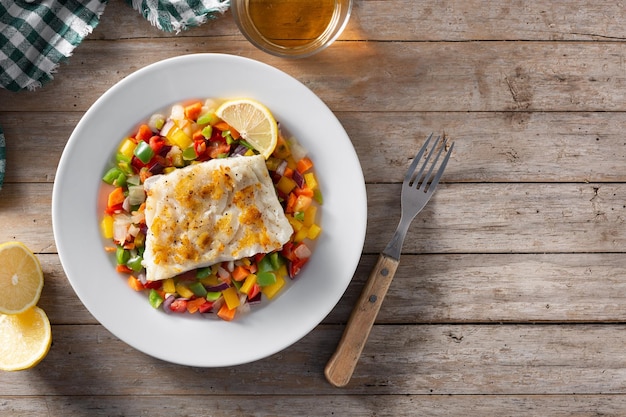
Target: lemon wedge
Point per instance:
(254, 122)
(21, 278)
(25, 339)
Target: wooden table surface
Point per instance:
(510, 298)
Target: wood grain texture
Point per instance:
(556, 359)
(320, 405)
(425, 76)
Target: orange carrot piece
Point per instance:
(288, 172)
(306, 191)
(234, 133)
(240, 273)
(222, 126)
(225, 313)
(304, 164)
(193, 110)
(144, 133)
(135, 284)
(194, 305)
(124, 269)
(291, 202)
(116, 197)
(197, 136)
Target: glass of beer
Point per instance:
(291, 28)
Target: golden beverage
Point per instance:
(291, 27)
(291, 23)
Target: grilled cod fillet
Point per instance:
(214, 211)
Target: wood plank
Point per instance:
(499, 218)
(420, 20)
(318, 405)
(401, 360)
(490, 147)
(460, 20)
(504, 218)
(450, 76)
(500, 288)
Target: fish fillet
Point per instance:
(214, 211)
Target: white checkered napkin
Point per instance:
(36, 35)
(177, 15)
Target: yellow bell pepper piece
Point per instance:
(286, 184)
(271, 290)
(179, 138)
(210, 281)
(127, 148)
(314, 232)
(310, 180)
(248, 284)
(106, 226)
(295, 223)
(231, 297)
(183, 291)
(169, 286)
(309, 216)
(301, 234)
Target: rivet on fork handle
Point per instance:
(341, 365)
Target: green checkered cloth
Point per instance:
(37, 35)
(177, 15)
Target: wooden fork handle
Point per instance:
(341, 365)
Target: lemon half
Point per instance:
(21, 278)
(254, 122)
(25, 339)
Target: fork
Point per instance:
(417, 188)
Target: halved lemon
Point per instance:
(25, 339)
(21, 278)
(254, 122)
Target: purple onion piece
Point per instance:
(280, 170)
(167, 303)
(218, 288)
(240, 150)
(298, 178)
(156, 168)
(165, 150)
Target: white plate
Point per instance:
(203, 342)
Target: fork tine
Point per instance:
(416, 160)
(421, 181)
(418, 177)
(435, 181)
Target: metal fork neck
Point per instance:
(394, 247)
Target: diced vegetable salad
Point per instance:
(190, 134)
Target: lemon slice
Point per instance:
(254, 122)
(21, 278)
(25, 339)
